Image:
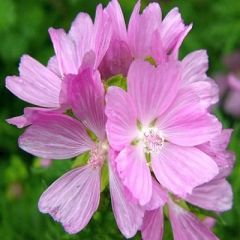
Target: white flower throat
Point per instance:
(152, 139)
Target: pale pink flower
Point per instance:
(74, 198)
(159, 118)
(147, 35)
(84, 45)
(185, 225)
(215, 195)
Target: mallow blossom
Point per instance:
(215, 195)
(74, 198)
(146, 36)
(156, 125)
(161, 146)
(44, 86)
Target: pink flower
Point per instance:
(159, 119)
(215, 195)
(147, 35)
(186, 225)
(74, 198)
(84, 46)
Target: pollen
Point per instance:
(152, 139)
(98, 155)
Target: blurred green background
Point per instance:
(23, 29)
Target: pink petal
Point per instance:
(135, 174)
(115, 13)
(102, 34)
(221, 142)
(185, 225)
(55, 137)
(30, 114)
(73, 198)
(152, 228)
(207, 91)
(195, 66)
(118, 56)
(186, 122)
(36, 84)
(159, 196)
(19, 121)
(128, 215)
(53, 66)
(117, 59)
(152, 89)
(215, 195)
(81, 33)
(141, 28)
(172, 28)
(121, 124)
(87, 101)
(216, 148)
(180, 169)
(175, 51)
(65, 51)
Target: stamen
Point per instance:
(152, 139)
(98, 155)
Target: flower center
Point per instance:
(98, 155)
(152, 140)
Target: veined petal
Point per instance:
(152, 227)
(114, 10)
(117, 60)
(215, 195)
(102, 34)
(141, 28)
(53, 66)
(81, 33)
(207, 91)
(152, 89)
(186, 122)
(185, 225)
(181, 169)
(135, 174)
(36, 84)
(195, 66)
(30, 114)
(129, 216)
(159, 197)
(121, 124)
(172, 28)
(87, 100)
(175, 51)
(55, 136)
(73, 198)
(65, 51)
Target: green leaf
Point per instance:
(118, 81)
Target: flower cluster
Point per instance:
(120, 96)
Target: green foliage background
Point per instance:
(23, 29)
